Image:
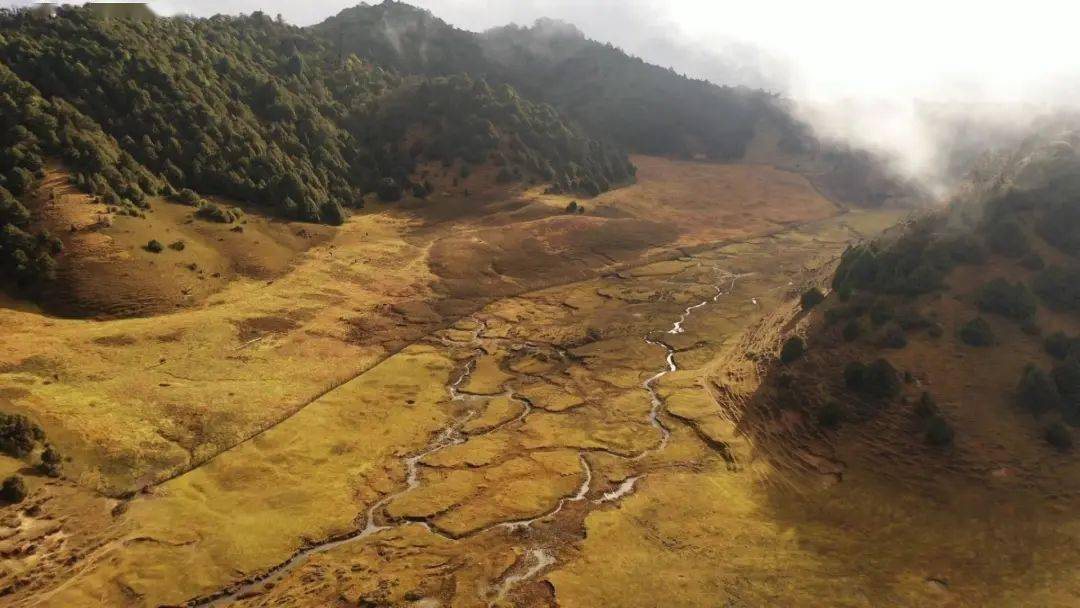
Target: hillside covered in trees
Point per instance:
(972, 311)
(252, 109)
(646, 108)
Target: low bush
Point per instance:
(879, 379)
(892, 336)
(215, 213)
(938, 431)
(830, 415)
(1059, 436)
(1012, 300)
(13, 490)
(926, 406)
(1037, 393)
(154, 246)
(811, 298)
(1033, 261)
(1059, 287)
(852, 330)
(389, 190)
(188, 197)
(910, 318)
(965, 249)
(977, 332)
(1007, 238)
(793, 349)
(1060, 346)
(1067, 378)
(51, 461)
(177, 245)
(18, 435)
(881, 313)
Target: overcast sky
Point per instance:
(868, 61)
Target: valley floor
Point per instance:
(521, 409)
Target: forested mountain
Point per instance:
(644, 107)
(251, 109)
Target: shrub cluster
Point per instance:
(1012, 300)
(792, 350)
(878, 379)
(977, 332)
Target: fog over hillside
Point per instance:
(905, 79)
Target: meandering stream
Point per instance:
(536, 559)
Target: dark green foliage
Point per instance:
(879, 379)
(1059, 436)
(389, 191)
(1007, 238)
(938, 431)
(1059, 287)
(647, 108)
(914, 264)
(935, 330)
(926, 406)
(1059, 223)
(964, 249)
(792, 350)
(188, 197)
(1037, 393)
(18, 435)
(51, 462)
(505, 175)
(177, 245)
(977, 332)
(811, 298)
(255, 110)
(154, 246)
(1067, 379)
(13, 490)
(572, 207)
(1033, 261)
(333, 213)
(852, 330)
(909, 318)
(892, 336)
(1060, 346)
(831, 415)
(215, 213)
(881, 312)
(1012, 300)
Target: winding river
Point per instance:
(536, 559)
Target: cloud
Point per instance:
(868, 72)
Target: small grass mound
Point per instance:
(154, 246)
